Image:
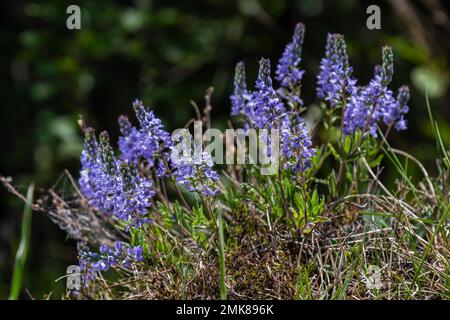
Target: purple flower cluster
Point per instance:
(266, 108)
(375, 102)
(334, 82)
(150, 142)
(269, 108)
(134, 196)
(397, 111)
(117, 188)
(113, 186)
(296, 146)
(91, 168)
(240, 92)
(364, 106)
(288, 72)
(193, 170)
(121, 255)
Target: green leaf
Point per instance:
(376, 162)
(334, 152)
(347, 144)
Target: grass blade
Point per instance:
(22, 251)
(223, 287)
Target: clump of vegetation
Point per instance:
(155, 221)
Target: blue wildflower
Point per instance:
(150, 142)
(334, 82)
(113, 186)
(134, 195)
(265, 109)
(288, 72)
(93, 263)
(375, 102)
(296, 145)
(97, 171)
(136, 253)
(193, 170)
(90, 168)
(109, 176)
(396, 114)
(240, 92)
(130, 141)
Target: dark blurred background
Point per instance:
(167, 53)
